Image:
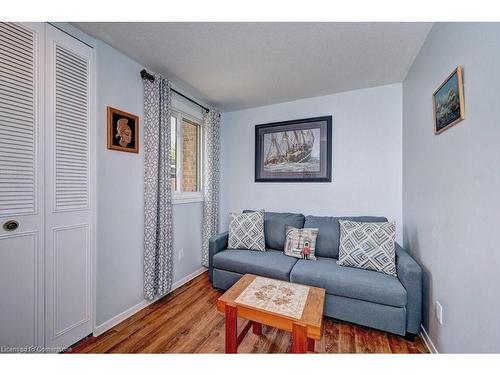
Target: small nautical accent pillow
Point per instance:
(246, 231)
(368, 245)
(300, 243)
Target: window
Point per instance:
(185, 168)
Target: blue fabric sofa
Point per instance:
(355, 295)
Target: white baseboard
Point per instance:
(100, 329)
(187, 278)
(427, 341)
(108, 324)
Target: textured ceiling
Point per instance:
(242, 65)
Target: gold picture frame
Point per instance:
(123, 131)
(448, 102)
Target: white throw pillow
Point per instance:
(368, 245)
(246, 231)
(300, 242)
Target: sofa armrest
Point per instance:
(410, 274)
(215, 244)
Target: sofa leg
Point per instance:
(410, 336)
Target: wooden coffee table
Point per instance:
(291, 307)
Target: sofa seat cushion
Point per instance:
(269, 263)
(350, 282)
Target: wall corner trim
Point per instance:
(427, 341)
(107, 325)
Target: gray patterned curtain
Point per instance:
(211, 171)
(158, 235)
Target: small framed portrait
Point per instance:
(123, 131)
(448, 101)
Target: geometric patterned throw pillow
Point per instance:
(246, 231)
(368, 245)
(300, 242)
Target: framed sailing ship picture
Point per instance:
(448, 102)
(294, 151)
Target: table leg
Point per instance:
(299, 338)
(257, 328)
(310, 345)
(231, 329)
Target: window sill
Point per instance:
(184, 198)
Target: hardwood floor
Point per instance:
(187, 321)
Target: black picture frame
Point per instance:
(277, 166)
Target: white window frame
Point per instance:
(179, 196)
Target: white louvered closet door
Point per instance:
(68, 203)
(21, 185)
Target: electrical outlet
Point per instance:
(439, 312)
(181, 254)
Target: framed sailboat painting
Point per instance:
(448, 102)
(294, 151)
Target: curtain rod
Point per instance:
(151, 78)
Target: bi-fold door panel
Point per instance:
(45, 195)
(21, 186)
(68, 216)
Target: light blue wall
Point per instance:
(451, 185)
(120, 211)
(367, 157)
(120, 219)
(187, 237)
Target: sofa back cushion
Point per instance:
(274, 227)
(328, 241)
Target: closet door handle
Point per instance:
(10, 225)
